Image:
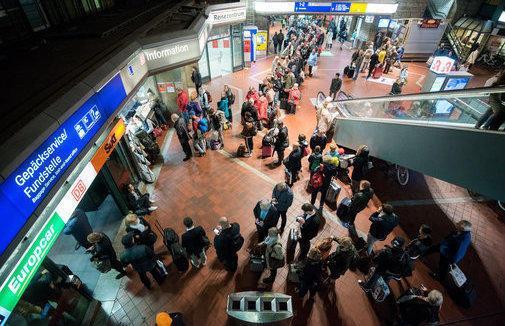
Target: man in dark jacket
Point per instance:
(318, 139)
(360, 167)
(453, 248)
(137, 202)
(311, 274)
(281, 142)
(196, 78)
(374, 60)
(310, 222)
(142, 259)
(183, 135)
(275, 41)
(383, 223)
(266, 216)
(329, 171)
(78, 226)
(392, 261)
(194, 240)
(227, 242)
(102, 250)
(359, 202)
(282, 198)
(419, 307)
(336, 84)
(293, 164)
(420, 245)
(280, 40)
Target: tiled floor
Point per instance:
(221, 185)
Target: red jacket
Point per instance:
(294, 96)
(261, 105)
(182, 100)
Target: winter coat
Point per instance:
(294, 96)
(455, 245)
(193, 240)
(294, 160)
(324, 119)
(315, 160)
(312, 61)
(289, 81)
(262, 108)
(360, 200)
(270, 219)
(336, 84)
(196, 78)
(194, 108)
(103, 249)
(141, 257)
(180, 130)
(342, 258)
(282, 140)
(317, 140)
(274, 254)
(360, 164)
(182, 101)
(284, 198)
(310, 228)
(223, 106)
(382, 224)
(223, 242)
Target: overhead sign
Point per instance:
(108, 145)
(430, 23)
(337, 7)
(442, 65)
(172, 53)
(30, 183)
(227, 16)
(25, 269)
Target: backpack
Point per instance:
(203, 125)
(277, 262)
(170, 237)
(317, 179)
(209, 97)
(241, 150)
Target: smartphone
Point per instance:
(216, 231)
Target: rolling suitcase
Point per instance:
(343, 209)
(266, 151)
(350, 72)
(377, 72)
(332, 194)
(291, 244)
(256, 263)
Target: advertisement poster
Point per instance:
(162, 87)
(247, 46)
(170, 87)
(261, 41)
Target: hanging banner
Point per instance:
(261, 41)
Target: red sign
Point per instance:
(79, 190)
(247, 45)
(430, 23)
(215, 44)
(226, 44)
(442, 65)
(162, 87)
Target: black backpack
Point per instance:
(179, 257)
(170, 237)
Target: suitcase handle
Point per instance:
(159, 228)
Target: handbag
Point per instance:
(380, 290)
(162, 267)
(457, 275)
(103, 265)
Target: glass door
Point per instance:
(220, 61)
(237, 47)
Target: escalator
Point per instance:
(432, 133)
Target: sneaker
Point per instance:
(361, 283)
(153, 208)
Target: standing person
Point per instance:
(336, 84)
(78, 226)
(312, 61)
(139, 202)
(227, 242)
(274, 255)
(293, 164)
(315, 159)
(223, 105)
(249, 132)
(196, 77)
(328, 171)
(275, 42)
(280, 43)
(323, 117)
(101, 249)
(390, 59)
(396, 89)
(194, 241)
(329, 39)
(374, 60)
(420, 245)
(309, 223)
(404, 74)
(141, 230)
(265, 216)
(366, 58)
(383, 223)
(419, 307)
(311, 274)
(281, 141)
(360, 167)
(496, 102)
(205, 100)
(182, 135)
(341, 259)
(378, 40)
(359, 63)
(231, 99)
(472, 57)
(359, 201)
(217, 121)
(142, 259)
(199, 142)
(282, 198)
(318, 139)
(182, 103)
(382, 56)
(294, 98)
(453, 248)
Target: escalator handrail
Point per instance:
(468, 92)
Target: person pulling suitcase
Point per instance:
(321, 180)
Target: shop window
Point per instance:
(220, 57)
(203, 65)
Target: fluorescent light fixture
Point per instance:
(381, 8)
(502, 17)
(274, 7)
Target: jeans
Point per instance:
(186, 148)
(313, 195)
(200, 259)
(155, 272)
(249, 144)
(200, 145)
(370, 240)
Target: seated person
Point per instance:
(419, 307)
(392, 261)
(141, 229)
(139, 203)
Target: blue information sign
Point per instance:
(317, 7)
(29, 184)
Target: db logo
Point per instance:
(79, 190)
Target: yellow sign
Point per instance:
(358, 8)
(261, 41)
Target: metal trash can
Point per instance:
(256, 308)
